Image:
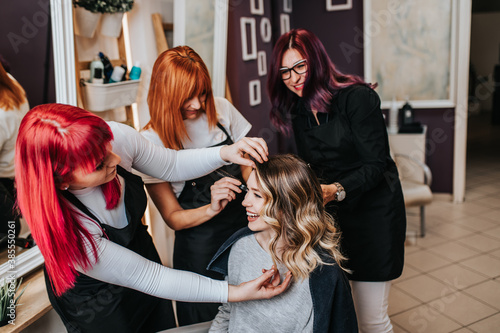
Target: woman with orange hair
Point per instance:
(84, 209)
(13, 107)
(205, 211)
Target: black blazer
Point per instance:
(351, 146)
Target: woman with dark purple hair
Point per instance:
(340, 132)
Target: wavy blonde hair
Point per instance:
(294, 209)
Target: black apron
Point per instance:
(373, 226)
(195, 247)
(96, 306)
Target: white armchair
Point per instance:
(416, 191)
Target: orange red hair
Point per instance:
(12, 95)
(178, 74)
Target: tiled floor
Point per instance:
(451, 279)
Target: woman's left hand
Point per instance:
(263, 287)
(329, 193)
(255, 147)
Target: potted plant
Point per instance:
(86, 16)
(110, 10)
(8, 299)
(111, 24)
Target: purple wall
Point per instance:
(439, 145)
(342, 34)
(240, 72)
(340, 31)
(25, 42)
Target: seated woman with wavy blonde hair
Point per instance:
(288, 227)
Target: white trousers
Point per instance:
(371, 300)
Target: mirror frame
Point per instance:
(61, 12)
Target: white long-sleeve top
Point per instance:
(9, 127)
(118, 265)
(200, 135)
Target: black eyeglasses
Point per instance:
(300, 67)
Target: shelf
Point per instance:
(33, 304)
(99, 97)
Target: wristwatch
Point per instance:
(340, 195)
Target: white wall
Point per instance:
(485, 52)
(143, 45)
(143, 49)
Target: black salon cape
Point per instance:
(350, 146)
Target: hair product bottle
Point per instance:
(98, 76)
(108, 67)
(117, 75)
(95, 64)
(135, 72)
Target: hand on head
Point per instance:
(255, 147)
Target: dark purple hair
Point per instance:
(322, 80)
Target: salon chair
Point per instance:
(416, 191)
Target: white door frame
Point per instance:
(462, 96)
(61, 12)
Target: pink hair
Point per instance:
(54, 140)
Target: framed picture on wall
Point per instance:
(409, 50)
(333, 5)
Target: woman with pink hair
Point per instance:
(84, 208)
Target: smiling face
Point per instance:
(254, 203)
(104, 172)
(296, 81)
(193, 107)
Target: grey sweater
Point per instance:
(291, 311)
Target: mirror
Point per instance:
(28, 29)
(60, 19)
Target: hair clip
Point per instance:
(223, 174)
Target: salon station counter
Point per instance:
(34, 303)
